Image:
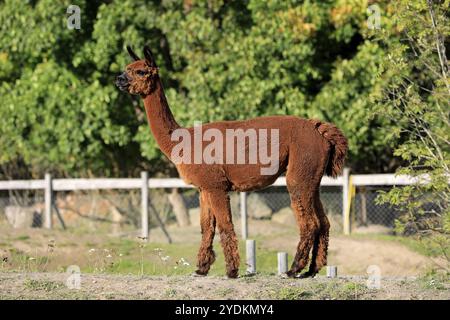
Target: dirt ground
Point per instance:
(99, 286)
(403, 271)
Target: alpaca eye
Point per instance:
(140, 73)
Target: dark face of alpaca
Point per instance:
(140, 76)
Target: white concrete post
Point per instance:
(144, 205)
(48, 201)
(243, 207)
(282, 263)
(331, 271)
(251, 256)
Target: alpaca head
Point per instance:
(140, 76)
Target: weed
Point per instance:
(42, 285)
(22, 238)
(223, 292)
(170, 293)
(292, 293)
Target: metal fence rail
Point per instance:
(341, 196)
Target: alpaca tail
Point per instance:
(338, 147)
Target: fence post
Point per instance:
(345, 203)
(243, 207)
(363, 206)
(282, 263)
(144, 205)
(251, 256)
(48, 199)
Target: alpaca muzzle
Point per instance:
(122, 82)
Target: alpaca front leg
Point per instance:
(220, 205)
(206, 255)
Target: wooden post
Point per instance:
(345, 203)
(243, 207)
(363, 206)
(282, 263)
(331, 271)
(48, 201)
(251, 256)
(144, 205)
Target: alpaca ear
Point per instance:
(132, 54)
(149, 57)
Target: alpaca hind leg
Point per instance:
(304, 173)
(206, 255)
(220, 204)
(320, 255)
(309, 227)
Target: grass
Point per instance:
(22, 238)
(331, 290)
(42, 285)
(223, 292)
(292, 294)
(133, 257)
(170, 293)
(125, 256)
(435, 280)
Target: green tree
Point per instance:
(415, 99)
(218, 59)
(56, 116)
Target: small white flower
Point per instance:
(120, 255)
(91, 250)
(165, 258)
(109, 256)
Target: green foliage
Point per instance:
(218, 59)
(415, 100)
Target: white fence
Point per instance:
(347, 182)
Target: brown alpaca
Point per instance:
(307, 150)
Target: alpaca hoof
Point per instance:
(291, 274)
(200, 273)
(308, 274)
(233, 274)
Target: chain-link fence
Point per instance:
(366, 212)
(22, 208)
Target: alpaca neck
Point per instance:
(160, 118)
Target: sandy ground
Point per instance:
(353, 256)
(53, 286)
